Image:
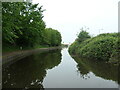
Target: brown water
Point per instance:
(57, 69)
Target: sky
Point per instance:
(69, 16)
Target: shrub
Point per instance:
(83, 35)
(101, 47)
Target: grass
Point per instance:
(9, 48)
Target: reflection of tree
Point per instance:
(83, 71)
(102, 69)
(30, 71)
(52, 59)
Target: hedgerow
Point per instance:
(101, 47)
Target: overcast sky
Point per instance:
(69, 16)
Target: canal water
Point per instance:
(57, 69)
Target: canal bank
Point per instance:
(11, 57)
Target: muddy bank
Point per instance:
(9, 58)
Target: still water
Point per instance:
(57, 69)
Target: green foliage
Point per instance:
(9, 48)
(101, 47)
(83, 35)
(10, 15)
(52, 37)
(73, 47)
(23, 25)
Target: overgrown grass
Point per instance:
(102, 47)
(11, 48)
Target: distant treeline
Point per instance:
(23, 26)
(102, 47)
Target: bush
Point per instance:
(101, 47)
(83, 35)
(73, 47)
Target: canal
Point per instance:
(57, 69)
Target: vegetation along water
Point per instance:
(89, 62)
(104, 47)
(24, 28)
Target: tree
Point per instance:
(52, 37)
(10, 21)
(32, 26)
(23, 25)
(83, 35)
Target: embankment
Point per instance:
(11, 57)
(103, 47)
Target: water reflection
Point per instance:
(99, 68)
(30, 71)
